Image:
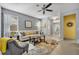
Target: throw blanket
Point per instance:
(3, 44)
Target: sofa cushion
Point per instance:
(28, 33)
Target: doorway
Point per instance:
(70, 27)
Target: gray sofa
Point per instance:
(14, 49)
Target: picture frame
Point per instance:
(28, 24)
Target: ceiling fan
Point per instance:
(45, 8)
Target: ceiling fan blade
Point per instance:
(49, 10)
(48, 5)
(39, 10)
(43, 12)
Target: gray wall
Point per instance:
(22, 18)
(77, 26)
(61, 27)
(0, 21)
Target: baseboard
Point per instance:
(68, 39)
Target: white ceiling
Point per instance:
(32, 10)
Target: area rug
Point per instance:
(41, 49)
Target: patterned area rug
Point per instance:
(41, 49)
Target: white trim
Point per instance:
(0, 21)
(69, 12)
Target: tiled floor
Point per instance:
(66, 47)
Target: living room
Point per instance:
(34, 28)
